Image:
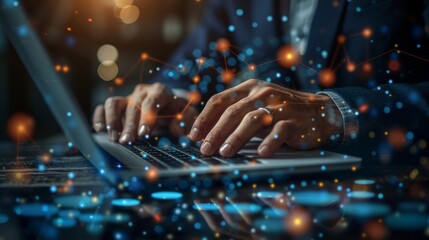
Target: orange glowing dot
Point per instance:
(397, 138)
(267, 119)
(46, 158)
(298, 221)
(227, 76)
(149, 117)
(119, 81)
(66, 69)
(327, 78)
(69, 29)
(341, 39)
(194, 97)
(287, 56)
(144, 56)
(179, 116)
(222, 45)
(90, 20)
(157, 217)
(351, 67)
(196, 79)
(394, 65)
(363, 108)
(252, 67)
(20, 126)
(367, 67)
(367, 32)
(152, 174)
(201, 60)
(57, 67)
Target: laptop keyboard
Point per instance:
(176, 156)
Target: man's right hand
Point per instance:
(126, 117)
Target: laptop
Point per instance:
(146, 158)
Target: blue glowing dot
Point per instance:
(118, 218)
(182, 124)
(36, 210)
(22, 31)
(242, 208)
(284, 18)
(231, 28)
(92, 218)
(380, 196)
(71, 175)
(315, 198)
(323, 167)
(69, 114)
(364, 181)
(167, 195)
(324, 54)
(269, 194)
(239, 12)
(170, 74)
(64, 222)
(125, 202)
(205, 206)
(358, 9)
(365, 210)
(197, 225)
(77, 201)
(254, 24)
(360, 194)
(275, 212)
(53, 188)
(407, 221)
(69, 213)
(269, 18)
(70, 144)
(3, 218)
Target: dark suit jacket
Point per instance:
(391, 92)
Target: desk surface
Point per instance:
(74, 203)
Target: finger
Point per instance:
(252, 123)
(132, 116)
(98, 119)
(216, 105)
(276, 138)
(229, 121)
(158, 97)
(114, 108)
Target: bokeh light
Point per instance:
(287, 56)
(108, 70)
(20, 127)
(327, 78)
(129, 14)
(107, 52)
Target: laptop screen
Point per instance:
(59, 100)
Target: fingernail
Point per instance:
(113, 135)
(206, 148)
(143, 130)
(125, 138)
(195, 133)
(98, 126)
(264, 150)
(226, 150)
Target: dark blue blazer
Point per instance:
(388, 88)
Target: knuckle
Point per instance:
(283, 125)
(232, 111)
(265, 91)
(139, 87)
(111, 102)
(252, 81)
(216, 99)
(251, 117)
(236, 139)
(159, 86)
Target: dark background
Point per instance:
(161, 26)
